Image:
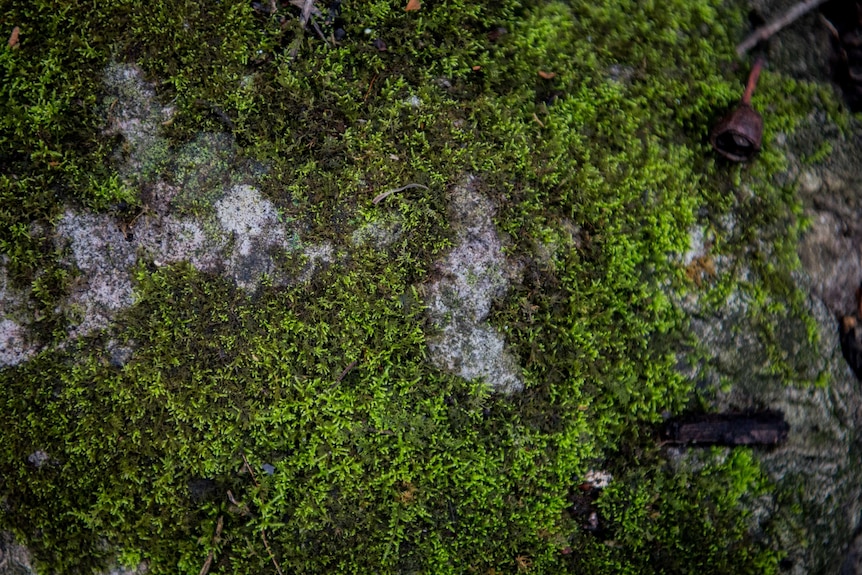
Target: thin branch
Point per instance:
(347, 369)
(307, 9)
(368, 93)
(782, 21)
(206, 568)
(208, 563)
(380, 197)
(248, 467)
(271, 556)
(231, 498)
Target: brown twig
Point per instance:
(248, 467)
(231, 498)
(782, 21)
(208, 563)
(262, 530)
(271, 556)
(752, 81)
(13, 38)
(370, 85)
(206, 568)
(347, 370)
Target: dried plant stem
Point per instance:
(752, 81)
(262, 530)
(208, 563)
(271, 556)
(248, 468)
(305, 15)
(770, 28)
(347, 370)
(380, 197)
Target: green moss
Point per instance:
(656, 528)
(382, 463)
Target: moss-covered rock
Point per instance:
(246, 351)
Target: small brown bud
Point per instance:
(738, 135)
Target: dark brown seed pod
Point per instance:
(738, 135)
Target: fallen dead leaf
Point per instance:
(13, 39)
(547, 75)
(413, 5)
(477, 68)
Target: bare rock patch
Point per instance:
(472, 275)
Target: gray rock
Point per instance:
(814, 515)
(14, 559)
(471, 276)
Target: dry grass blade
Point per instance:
(308, 10)
(764, 32)
(208, 563)
(271, 556)
(380, 197)
(248, 468)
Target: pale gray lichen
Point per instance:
(257, 233)
(473, 274)
(249, 237)
(202, 211)
(104, 259)
(378, 234)
(133, 112)
(14, 347)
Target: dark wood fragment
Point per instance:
(753, 428)
(850, 334)
(851, 343)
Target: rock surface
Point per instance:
(474, 273)
(815, 514)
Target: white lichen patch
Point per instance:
(209, 217)
(14, 347)
(247, 214)
(378, 234)
(256, 232)
(696, 245)
(473, 274)
(598, 479)
(317, 256)
(249, 237)
(104, 258)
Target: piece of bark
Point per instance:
(758, 428)
(850, 334)
(851, 343)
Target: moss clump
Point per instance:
(653, 523)
(586, 124)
